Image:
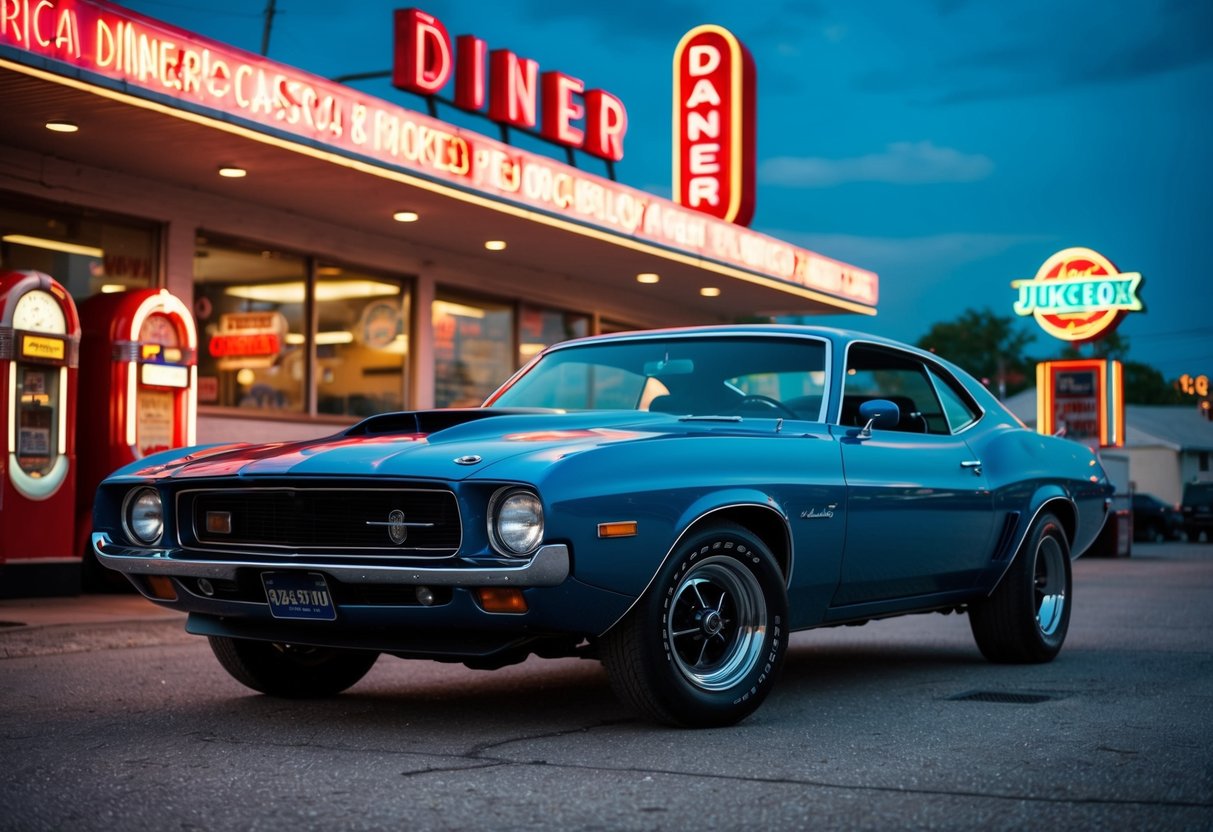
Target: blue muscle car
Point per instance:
(673, 503)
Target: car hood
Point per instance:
(438, 444)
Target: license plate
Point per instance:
(299, 595)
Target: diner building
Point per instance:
(342, 254)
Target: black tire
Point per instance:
(705, 644)
(291, 671)
(1026, 618)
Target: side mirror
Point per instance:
(878, 413)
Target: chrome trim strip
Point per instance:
(548, 567)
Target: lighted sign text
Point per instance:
(148, 57)
(1078, 295)
(714, 81)
(248, 339)
(164, 375)
(51, 349)
(1082, 400)
(425, 62)
(1193, 385)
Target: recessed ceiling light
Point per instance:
(710, 292)
(647, 277)
(495, 245)
(59, 125)
(232, 172)
(406, 216)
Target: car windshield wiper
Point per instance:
(709, 418)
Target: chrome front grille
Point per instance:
(389, 522)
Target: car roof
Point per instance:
(835, 334)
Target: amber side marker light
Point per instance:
(623, 528)
(162, 587)
(498, 599)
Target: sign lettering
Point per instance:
(50, 349)
(1078, 295)
(714, 80)
(153, 59)
(425, 61)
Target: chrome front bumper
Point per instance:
(549, 566)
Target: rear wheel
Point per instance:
(1026, 618)
(290, 670)
(704, 645)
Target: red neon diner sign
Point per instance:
(714, 82)
(425, 61)
(139, 58)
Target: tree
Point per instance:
(1143, 383)
(989, 346)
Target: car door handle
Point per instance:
(974, 464)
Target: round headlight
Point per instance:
(144, 515)
(518, 522)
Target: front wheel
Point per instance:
(1026, 618)
(290, 670)
(704, 645)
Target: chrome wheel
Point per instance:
(717, 623)
(1049, 585)
(703, 646)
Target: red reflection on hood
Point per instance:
(598, 434)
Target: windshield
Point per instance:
(744, 376)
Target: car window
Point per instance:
(960, 412)
(756, 377)
(881, 373)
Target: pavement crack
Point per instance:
(484, 764)
(479, 751)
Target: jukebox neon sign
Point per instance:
(1078, 295)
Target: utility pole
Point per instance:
(269, 24)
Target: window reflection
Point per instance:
(540, 328)
(361, 342)
(250, 306)
(473, 349)
(87, 254)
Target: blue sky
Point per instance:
(949, 145)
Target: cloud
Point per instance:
(902, 163)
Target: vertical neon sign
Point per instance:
(714, 107)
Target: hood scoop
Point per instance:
(430, 421)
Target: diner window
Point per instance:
(87, 253)
(252, 322)
(540, 328)
(361, 342)
(473, 349)
(252, 306)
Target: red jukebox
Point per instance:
(139, 373)
(39, 348)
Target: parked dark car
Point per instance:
(1197, 510)
(674, 503)
(1155, 520)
